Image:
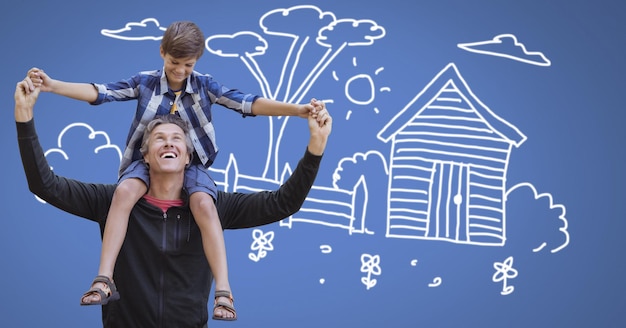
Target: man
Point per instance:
(161, 269)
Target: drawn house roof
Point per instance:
(449, 79)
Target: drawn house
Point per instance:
(448, 164)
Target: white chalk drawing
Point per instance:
(370, 264)
(444, 155)
(262, 243)
(504, 272)
(436, 282)
(324, 34)
(336, 207)
(359, 78)
(92, 134)
(147, 29)
(333, 207)
(564, 224)
(507, 46)
(448, 167)
(326, 249)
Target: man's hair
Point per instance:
(183, 39)
(165, 119)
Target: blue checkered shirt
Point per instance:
(194, 106)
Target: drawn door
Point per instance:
(448, 203)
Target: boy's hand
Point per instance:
(40, 79)
(312, 108)
(304, 110)
(318, 107)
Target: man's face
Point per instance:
(177, 69)
(167, 149)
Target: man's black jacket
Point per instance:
(161, 272)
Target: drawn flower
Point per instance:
(262, 242)
(504, 271)
(370, 264)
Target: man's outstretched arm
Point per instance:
(245, 210)
(83, 199)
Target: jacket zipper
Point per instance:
(177, 239)
(162, 274)
(177, 231)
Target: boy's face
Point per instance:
(177, 69)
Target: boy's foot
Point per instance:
(102, 291)
(224, 306)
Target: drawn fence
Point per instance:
(332, 207)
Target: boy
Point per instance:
(177, 89)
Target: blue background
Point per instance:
(570, 111)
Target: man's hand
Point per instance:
(25, 98)
(320, 126)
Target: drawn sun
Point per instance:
(360, 89)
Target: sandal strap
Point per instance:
(99, 291)
(105, 280)
(224, 293)
(107, 294)
(226, 306)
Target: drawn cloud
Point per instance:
(147, 29)
(281, 21)
(507, 46)
(353, 32)
(84, 152)
(92, 135)
(234, 45)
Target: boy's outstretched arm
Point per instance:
(269, 107)
(79, 91)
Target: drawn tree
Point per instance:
(309, 29)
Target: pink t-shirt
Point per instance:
(163, 204)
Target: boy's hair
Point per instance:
(183, 39)
(166, 119)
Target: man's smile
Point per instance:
(169, 154)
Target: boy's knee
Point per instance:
(131, 188)
(203, 202)
(202, 198)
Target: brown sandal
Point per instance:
(225, 306)
(109, 293)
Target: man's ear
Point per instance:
(189, 159)
(162, 52)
